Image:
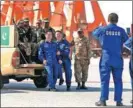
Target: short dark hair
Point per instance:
(48, 31)
(113, 18)
(58, 31)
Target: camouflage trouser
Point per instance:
(81, 66)
(34, 48)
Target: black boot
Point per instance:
(61, 81)
(119, 104)
(78, 87)
(68, 87)
(101, 103)
(83, 86)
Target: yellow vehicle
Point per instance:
(10, 67)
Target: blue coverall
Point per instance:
(64, 47)
(128, 44)
(111, 38)
(47, 51)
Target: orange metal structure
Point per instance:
(4, 11)
(99, 19)
(58, 19)
(44, 10)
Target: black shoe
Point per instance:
(61, 81)
(49, 89)
(83, 87)
(119, 104)
(131, 101)
(68, 87)
(101, 103)
(52, 89)
(78, 87)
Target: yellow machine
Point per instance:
(10, 67)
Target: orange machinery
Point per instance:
(68, 20)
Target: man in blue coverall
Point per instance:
(48, 55)
(64, 48)
(111, 38)
(128, 44)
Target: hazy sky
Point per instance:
(122, 8)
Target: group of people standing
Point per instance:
(52, 49)
(57, 55)
(55, 52)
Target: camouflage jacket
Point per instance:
(39, 34)
(82, 48)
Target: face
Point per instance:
(26, 23)
(58, 36)
(46, 24)
(21, 25)
(129, 34)
(80, 34)
(48, 36)
(38, 25)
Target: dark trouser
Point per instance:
(68, 71)
(60, 76)
(67, 68)
(24, 58)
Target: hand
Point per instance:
(70, 56)
(88, 61)
(25, 39)
(60, 61)
(44, 62)
(58, 52)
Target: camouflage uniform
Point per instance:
(39, 35)
(49, 28)
(82, 58)
(27, 41)
(23, 45)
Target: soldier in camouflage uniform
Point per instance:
(39, 31)
(82, 59)
(46, 27)
(28, 40)
(23, 45)
(39, 35)
(21, 31)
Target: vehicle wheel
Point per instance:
(1, 83)
(19, 79)
(41, 82)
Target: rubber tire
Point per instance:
(1, 84)
(41, 82)
(19, 79)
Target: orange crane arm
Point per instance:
(45, 11)
(57, 17)
(4, 11)
(99, 18)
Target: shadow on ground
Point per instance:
(25, 87)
